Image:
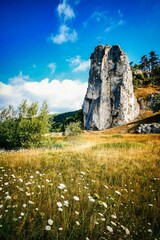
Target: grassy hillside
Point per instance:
(97, 186)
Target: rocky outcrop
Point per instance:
(149, 102)
(149, 128)
(109, 100)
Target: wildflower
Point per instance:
(1, 188)
(91, 199)
(101, 214)
(77, 223)
(125, 229)
(47, 228)
(150, 230)
(118, 192)
(8, 197)
(47, 180)
(61, 186)
(22, 214)
(62, 196)
(110, 229)
(97, 223)
(76, 212)
(113, 223)
(106, 186)
(103, 219)
(87, 238)
(50, 222)
(1, 216)
(1, 226)
(104, 204)
(113, 216)
(21, 180)
(60, 229)
(24, 205)
(83, 173)
(151, 205)
(59, 204)
(76, 198)
(60, 209)
(1, 206)
(28, 194)
(66, 203)
(30, 202)
(37, 172)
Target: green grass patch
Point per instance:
(118, 145)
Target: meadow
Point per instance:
(95, 186)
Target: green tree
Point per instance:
(25, 127)
(144, 63)
(153, 60)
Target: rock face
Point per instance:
(109, 100)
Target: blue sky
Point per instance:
(45, 45)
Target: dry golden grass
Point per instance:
(145, 91)
(115, 177)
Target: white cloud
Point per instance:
(78, 64)
(66, 95)
(83, 66)
(65, 35)
(52, 67)
(64, 10)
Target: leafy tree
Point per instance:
(25, 127)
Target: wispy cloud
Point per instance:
(74, 61)
(115, 22)
(79, 64)
(106, 19)
(83, 66)
(65, 32)
(52, 67)
(66, 95)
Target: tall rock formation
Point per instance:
(109, 100)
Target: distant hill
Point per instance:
(60, 121)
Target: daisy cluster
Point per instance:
(75, 206)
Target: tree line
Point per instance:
(147, 71)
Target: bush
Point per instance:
(73, 129)
(140, 76)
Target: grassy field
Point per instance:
(96, 186)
